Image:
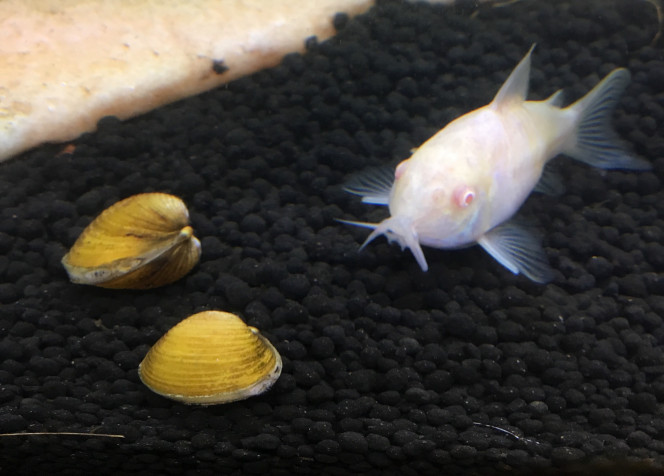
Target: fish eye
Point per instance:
(464, 196)
(398, 172)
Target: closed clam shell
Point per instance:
(141, 242)
(211, 357)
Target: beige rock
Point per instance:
(64, 64)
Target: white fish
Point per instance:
(465, 183)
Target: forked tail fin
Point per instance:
(595, 142)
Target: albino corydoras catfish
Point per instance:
(465, 183)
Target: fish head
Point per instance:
(441, 203)
(432, 202)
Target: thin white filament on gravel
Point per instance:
(63, 433)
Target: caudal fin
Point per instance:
(596, 143)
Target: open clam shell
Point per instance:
(211, 357)
(141, 242)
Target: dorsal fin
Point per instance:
(515, 88)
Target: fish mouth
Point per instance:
(396, 230)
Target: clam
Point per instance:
(211, 357)
(141, 242)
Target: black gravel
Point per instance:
(466, 369)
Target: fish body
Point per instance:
(464, 184)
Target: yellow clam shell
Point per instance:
(211, 357)
(141, 242)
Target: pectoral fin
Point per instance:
(518, 250)
(373, 185)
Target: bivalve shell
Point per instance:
(211, 357)
(141, 242)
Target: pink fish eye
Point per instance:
(398, 172)
(464, 196)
